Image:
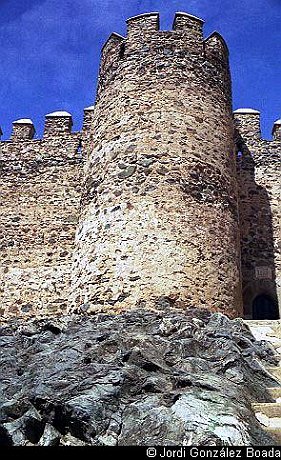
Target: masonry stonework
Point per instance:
(260, 211)
(147, 206)
(159, 219)
(40, 193)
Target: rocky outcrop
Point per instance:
(139, 378)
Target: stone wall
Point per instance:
(159, 222)
(40, 194)
(260, 213)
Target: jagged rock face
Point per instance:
(140, 378)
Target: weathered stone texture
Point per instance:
(159, 221)
(139, 378)
(23, 129)
(40, 193)
(159, 216)
(260, 212)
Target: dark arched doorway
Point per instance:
(265, 308)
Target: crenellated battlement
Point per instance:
(151, 186)
(57, 124)
(248, 124)
(191, 29)
(148, 23)
(111, 52)
(113, 40)
(145, 42)
(276, 130)
(88, 117)
(58, 142)
(216, 48)
(143, 24)
(185, 21)
(112, 45)
(23, 129)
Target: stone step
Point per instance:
(263, 322)
(268, 422)
(275, 392)
(269, 414)
(275, 341)
(275, 433)
(271, 410)
(275, 371)
(267, 333)
(270, 332)
(275, 325)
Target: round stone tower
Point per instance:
(159, 222)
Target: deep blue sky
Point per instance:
(50, 51)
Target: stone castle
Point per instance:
(163, 199)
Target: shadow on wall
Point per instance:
(257, 242)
